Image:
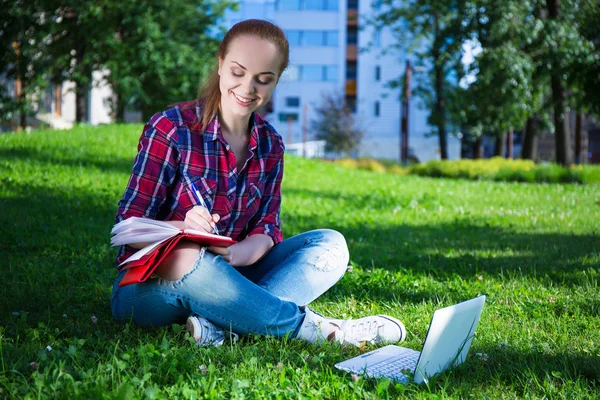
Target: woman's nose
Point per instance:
(249, 86)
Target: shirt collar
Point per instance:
(213, 130)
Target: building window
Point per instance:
(351, 103)
(331, 73)
(377, 38)
(312, 73)
(378, 73)
(285, 117)
(294, 37)
(352, 37)
(331, 38)
(352, 4)
(351, 71)
(314, 4)
(288, 5)
(377, 108)
(292, 101)
(313, 38)
(331, 5)
(291, 73)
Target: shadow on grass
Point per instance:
(56, 251)
(532, 366)
(70, 158)
(528, 372)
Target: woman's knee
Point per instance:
(180, 261)
(336, 255)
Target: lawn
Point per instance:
(416, 244)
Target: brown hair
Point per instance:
(210, 92)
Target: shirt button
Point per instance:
(230, 197)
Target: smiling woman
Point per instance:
(215, 165)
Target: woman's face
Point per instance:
(248, 75)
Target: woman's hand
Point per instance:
(246, 252)
(227, 253)
(200, 219)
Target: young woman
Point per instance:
(220, 145)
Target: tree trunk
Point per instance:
(440, 106)
(478, 148)
(21, 103)
(530, 140)
(561, 124)
(119, 106)
(500, 146)
(510, 148)
(562, 135)
(578, 137)
(81, 87)
(81, 102)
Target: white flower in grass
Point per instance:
(49, 348)
(94, 319)
(355, 378)
(482, 356)
(203, 369)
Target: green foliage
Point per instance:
(156, 52)
(416, 244)
(21, 35)
(160, 58)
(520, 46)
(495, 169)
(335, 123)
(501, 169)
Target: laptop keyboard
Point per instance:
(395, 367)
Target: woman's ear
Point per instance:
(220, 65)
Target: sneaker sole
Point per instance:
(400, 326)
(193, 326)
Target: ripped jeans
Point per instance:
(263, 298)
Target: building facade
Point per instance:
(334, 51)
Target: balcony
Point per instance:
(352, 18)
(351, 52)
(351, 87)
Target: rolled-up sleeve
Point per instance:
(266, 220)
(154, 171)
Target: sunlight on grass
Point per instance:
(416, 244)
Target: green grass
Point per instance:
(416, 244)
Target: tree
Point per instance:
(159, 58)
(503, 93)
(79, 28)
(431, 30)
(336, 125)
(22, 58)
(155, 51)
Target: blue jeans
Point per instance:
(263, 298)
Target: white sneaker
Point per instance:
(205, 332)
(374, 329)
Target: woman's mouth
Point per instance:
(243, 101)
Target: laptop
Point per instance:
(446, 345)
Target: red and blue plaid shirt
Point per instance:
(173, 153)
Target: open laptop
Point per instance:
(446, 345)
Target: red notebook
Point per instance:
(142, 264)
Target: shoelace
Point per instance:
(365, 330)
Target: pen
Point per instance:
(203, 204)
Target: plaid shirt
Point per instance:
(173, 153)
